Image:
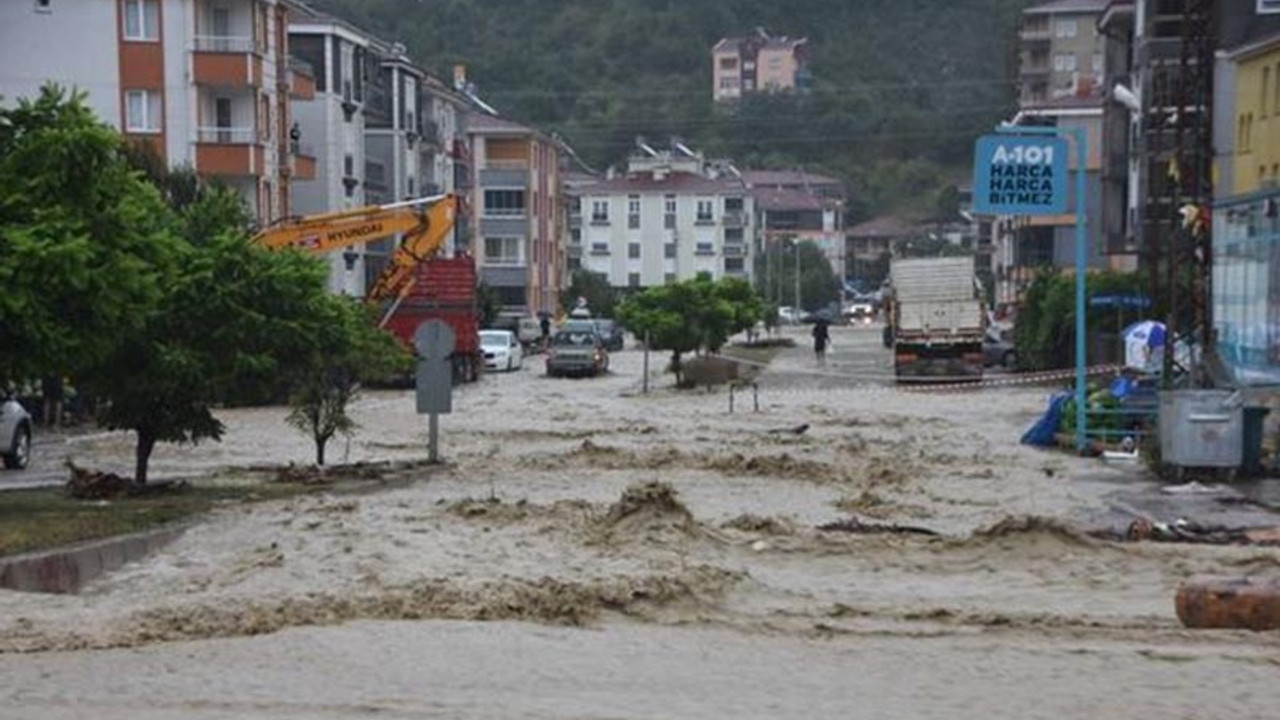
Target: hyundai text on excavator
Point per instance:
(417, 284)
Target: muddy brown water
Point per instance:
(526, 581)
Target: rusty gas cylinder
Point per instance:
(1239, 603)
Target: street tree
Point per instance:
(350, 351)
(84, 241)
(692, 316)
(230, 319)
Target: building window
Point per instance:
(669, 204)
(633, 280)
(575, 206)
(668, 278)
(729, 83)
(142, 111)
(574, 264)
(1267, 7)
(600, 211)
(1064, 62)
(734, 265)
(733, 236)
(704, 211)
(503, 251)
(705, 248)
(142, 20)
(1097, 63)
(729, 63)
(44, 6)
(599, 248)
(733, 204)
(1266, 91)
(503, 203)
(633, 211)
(575, 236)
(1275, 96)
(633, 251)
(349, 165)
(1065, 28)
(669, 251)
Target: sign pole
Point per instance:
(433, 438)
(1082, 262)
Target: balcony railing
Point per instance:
(227, 135)
(734, 250)
(734, 218)
(225, 44)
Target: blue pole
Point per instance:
(1082, 262)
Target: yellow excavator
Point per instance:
(425, 224)
(417, 284)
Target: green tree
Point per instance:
(490, 304)
(601, 297)
(777, 279)
(83, 240)
(350, 350)
(229, 320)
(691, 316)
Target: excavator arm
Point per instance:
(425, 225)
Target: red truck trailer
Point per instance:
(444, 289)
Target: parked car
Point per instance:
(998, 351)
(15, 435)
(611, 332)
(577, 353)
(502, 350)
(528, 329)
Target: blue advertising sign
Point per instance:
(1020, 175)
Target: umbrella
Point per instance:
(1144, 345)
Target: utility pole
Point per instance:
(797, 244)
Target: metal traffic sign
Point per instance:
(1020, 175)
(434, 339)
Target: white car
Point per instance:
(15, 435)
(501, 350)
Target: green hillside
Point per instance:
(901, 87)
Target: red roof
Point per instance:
(754, 178)
(676, 182)
(781, 200)
(887, 226)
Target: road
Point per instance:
(525, 579)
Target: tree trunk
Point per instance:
(142, 455)
(321, 442)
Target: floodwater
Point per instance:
(594, 553)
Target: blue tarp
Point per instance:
(1041, 434)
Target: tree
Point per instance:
(691, 316)
(350, 350)
(230, 319)
(490, 304)
(83, 240)
(776, 274)
(601, 297)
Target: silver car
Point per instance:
(15, 435)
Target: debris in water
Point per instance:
(94, 485)
(758, 524)
(1237, 603)
(856, 526)
(1186, 531)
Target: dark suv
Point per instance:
(611, 333)
(576, 353)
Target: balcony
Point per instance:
(229, 151)
(734, 219)
(1032, 68)
(574, 250)
(735, 251)
(493, 177)
(704, 220)
(302, 80)
(227, 62)
(575, 221)
(1035, 34)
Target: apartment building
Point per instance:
(793, 204)
(205, 83)
(1061, 53)
(759, 62)
(518, 221)
(671, 216)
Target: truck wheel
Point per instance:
(20, 453)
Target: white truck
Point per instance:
(937, 321)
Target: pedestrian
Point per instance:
(821, 338)
(545, 325)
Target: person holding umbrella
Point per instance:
(821, 338)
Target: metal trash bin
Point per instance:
(1202, 428)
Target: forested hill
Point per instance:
(900, 86)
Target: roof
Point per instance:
(885, 226)
(760, 41)
(776, 200)
(676, 182)
(1067, 6)
(756, 178)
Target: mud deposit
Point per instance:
(593, 553)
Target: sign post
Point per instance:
(435, 342)
(1022, 170)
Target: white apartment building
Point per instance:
(204, 82)
(669, 218)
